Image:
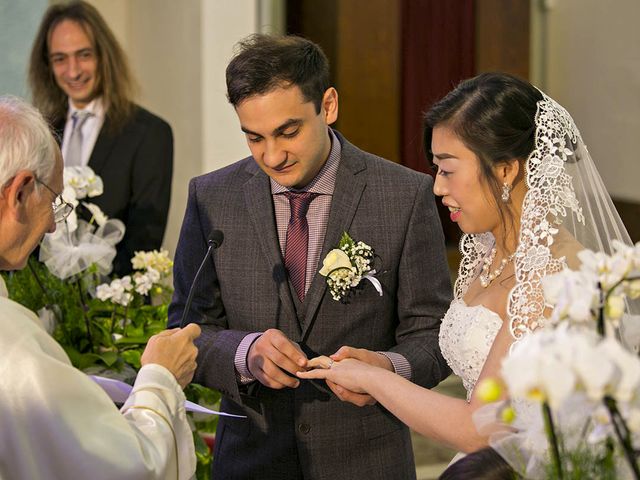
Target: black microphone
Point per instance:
(214, 241)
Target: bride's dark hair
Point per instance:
(494, 116)
(484, 464)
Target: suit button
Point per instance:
(304, 428)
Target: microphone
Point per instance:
(214, 241)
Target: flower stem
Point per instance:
(38, 281)
(83, 307)
(601, 330)
(553, 439)
(113, 320)
(623, 434)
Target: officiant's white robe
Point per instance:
(56, 423)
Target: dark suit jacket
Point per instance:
(307, 431)
(136, 166)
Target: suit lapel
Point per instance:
(257, 194)
(346, 198)
(102, 148)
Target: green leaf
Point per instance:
(109, 358)
(345, 241)
(132, 357)
(140, 340)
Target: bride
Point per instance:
(516, 177)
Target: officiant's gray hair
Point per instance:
(26, 141)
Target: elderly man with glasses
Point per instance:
(57, 423)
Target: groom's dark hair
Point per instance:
(265, 62)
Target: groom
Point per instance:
(264, 309)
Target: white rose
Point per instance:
(335, 259)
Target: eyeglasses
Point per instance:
(61, 208)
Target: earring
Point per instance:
(506, 192)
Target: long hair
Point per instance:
(114, 82)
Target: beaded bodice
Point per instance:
(466, 336)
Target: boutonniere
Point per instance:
(347, 265)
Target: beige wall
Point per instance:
(178, 52)
(593, 68)
(585, 54)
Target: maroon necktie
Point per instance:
(295, 255)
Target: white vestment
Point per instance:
(56, 423)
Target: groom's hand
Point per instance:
(271, 356)
(367, 356)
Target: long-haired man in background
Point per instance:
(81, 82)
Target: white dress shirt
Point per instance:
(90, 129)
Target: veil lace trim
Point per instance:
(550, 197)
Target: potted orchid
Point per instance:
(103, 323)
(582, 371)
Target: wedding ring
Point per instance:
(330, 363)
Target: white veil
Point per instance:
(566, 209)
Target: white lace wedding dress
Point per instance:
(466, 336)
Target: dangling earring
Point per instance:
(506, 192)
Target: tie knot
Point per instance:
(79, 117)
(299, 202)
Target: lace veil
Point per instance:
(566, 209)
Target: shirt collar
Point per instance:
(94, 107)
(324, 182)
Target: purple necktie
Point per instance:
(295, 255)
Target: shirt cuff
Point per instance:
(155, 376)
(401, 365)
(240, 361)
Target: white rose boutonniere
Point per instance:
(347, 265)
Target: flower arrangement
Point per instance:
(585, 380)
(103, 323)
(347, 265)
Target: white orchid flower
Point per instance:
(97, 214)
(144, 282)
(614, 308)
(628, 366)
(632, 288)
(158, 260)
(153, 274)
(104, 292)
(595, 371)
(574, 294)
(633, 420)
(84, 181)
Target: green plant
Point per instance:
(107, 336)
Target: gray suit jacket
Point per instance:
(307, 432)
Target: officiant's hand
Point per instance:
(174, 350)
(271, 356)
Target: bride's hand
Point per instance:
(347, 374)
(347, 385)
